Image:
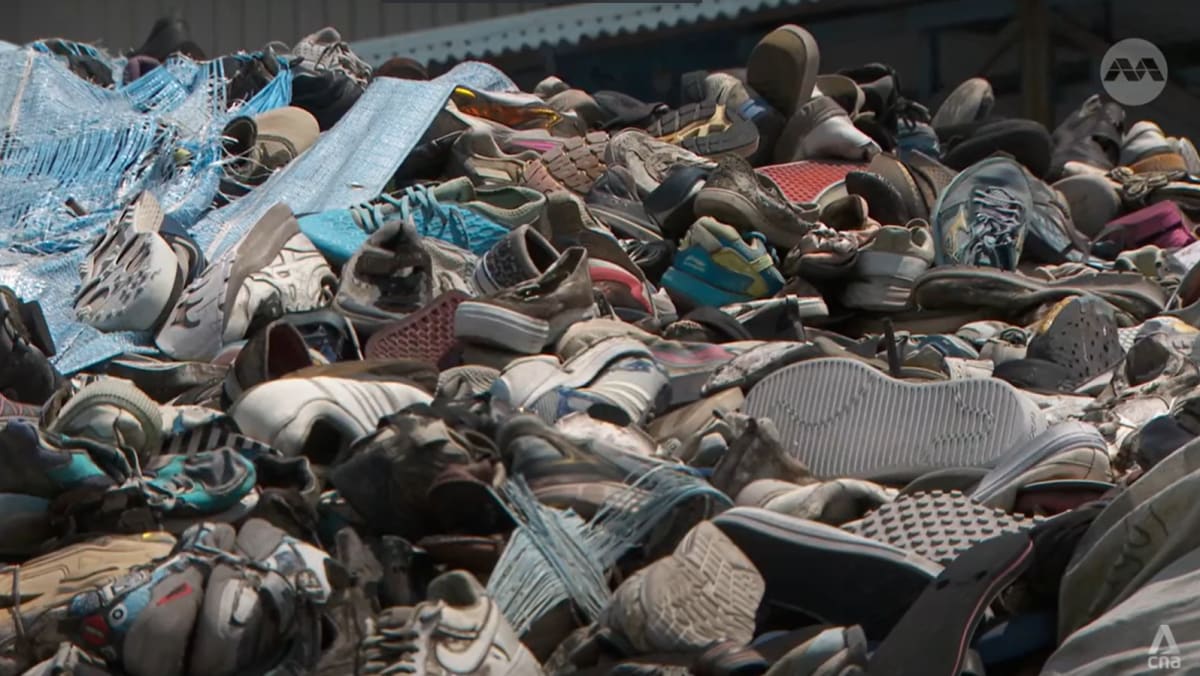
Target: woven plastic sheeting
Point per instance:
(68, 139)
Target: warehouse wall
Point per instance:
(221, 26)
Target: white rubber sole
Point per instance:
(845, 419)
(134, 290)
(488, 324)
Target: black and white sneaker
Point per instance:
(273, 271)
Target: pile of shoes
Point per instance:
(793, 377)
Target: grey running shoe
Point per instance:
(273, 271)
(326, 50)
(459, 630)
(521, 256)
(398, 272)
(983, 215)
(706, 591)
(528, 317)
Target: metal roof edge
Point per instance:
(552, 27)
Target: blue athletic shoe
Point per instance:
(715, 266)
(454, 211)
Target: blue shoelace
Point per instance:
(436, 220)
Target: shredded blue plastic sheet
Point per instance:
(67, 141)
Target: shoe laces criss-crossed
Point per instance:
(436, 220)
(996, 229)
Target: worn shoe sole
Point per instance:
(427, 334)
(707, 129)
(824, 572)
(134, 292)
(51, 580)
(938, 525)
(706, 590)
(845, 419)
(575, 165)
(493, 325)
(783, 68)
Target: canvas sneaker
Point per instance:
(453, 211)
(397, 273)
(274, 270)
(716, 265)
(522, 255)
(527, 317)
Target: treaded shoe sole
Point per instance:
(134, 292)
(938, 525)
(706, 590)
(707, 129)
(427, 334)
(487, 324)
(834, 576)
(783, 68)
(578, 162)
(846, 419)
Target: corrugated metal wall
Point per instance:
(221, 26)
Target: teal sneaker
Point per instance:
(454, 211)
(716, 266)
(46, 465)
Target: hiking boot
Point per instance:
(527, 317)
(458, 630)
(398, 273)
(735, 194)
(971, 101)
(322, 415)
(707, 129)
(783, 68)
(983, 215)
(706, 591)
(716, 265)
(273, 271)
(887, 268)
(821, 129)
(385, 476)
(521, 256)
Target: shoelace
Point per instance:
(344, 57)
(393, 651)
(436, 220)
(994, 233)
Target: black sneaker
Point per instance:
(26, 375)
(327, 94)
(170, 36)
(1091, 135)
